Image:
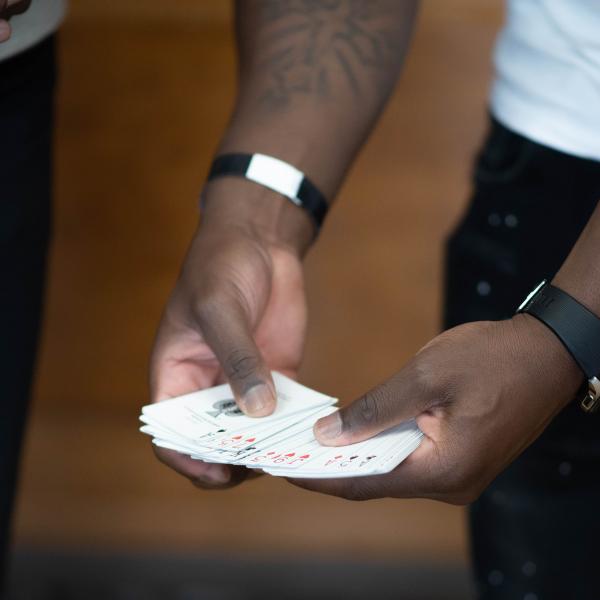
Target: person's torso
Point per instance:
(547, 84)
(40, 20)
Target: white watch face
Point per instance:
(531, 295)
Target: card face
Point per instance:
(282, 429)
(176, 417)
(292, 398)
(207, 425)
(238, 448)
(218, 407)
(284, 453)
(170, 445)
(331, 461)
(397, 454)
(369, 457)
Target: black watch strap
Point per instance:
(276, 175)
(577, 327)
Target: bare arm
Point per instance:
(314, 76)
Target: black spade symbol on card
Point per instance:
(225, 407)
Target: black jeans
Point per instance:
(26, 107)
(535, 531)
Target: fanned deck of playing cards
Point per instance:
(207, 425)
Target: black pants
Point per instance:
(535, 532)
(26, 91)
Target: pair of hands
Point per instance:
(8, 8)
(481, 392)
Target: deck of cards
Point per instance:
(207, 425)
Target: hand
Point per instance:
(237, 311)
(481, 393)
(8, 8)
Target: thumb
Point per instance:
(227, 331)
(396, 400)
(4, 29)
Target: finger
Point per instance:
(238, 475)
(398, 399)
(226, 329)
(199, 473)
(4, 31)
(177, 367)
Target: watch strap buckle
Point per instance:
(591, 395)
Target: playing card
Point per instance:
(377, 455)
(252, 444)
(217, 406)
(260, 432)
(283, 452)
(175, 416)
(207, 425)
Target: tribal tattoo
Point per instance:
(322, 47)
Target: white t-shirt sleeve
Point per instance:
(547, 84)
(41, 19)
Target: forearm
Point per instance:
(580, 273)
(313, 78)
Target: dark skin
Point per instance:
(481, 393)
(314, 76)
(233, 328)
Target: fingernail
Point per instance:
(4, 31)
(218, 475)
(257, 399)
(329, 427)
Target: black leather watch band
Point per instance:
(577, 327)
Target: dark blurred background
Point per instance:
(145, 91)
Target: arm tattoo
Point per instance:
(320, 47)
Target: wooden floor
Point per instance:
(141, 104)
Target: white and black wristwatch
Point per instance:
(577, 328)
(277, 175)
